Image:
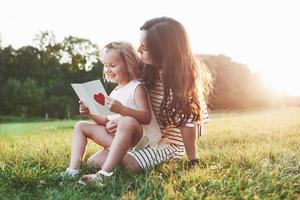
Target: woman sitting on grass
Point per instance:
(178, 84)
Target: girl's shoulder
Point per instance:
(135, 83)
(138, 85)
(131, 86)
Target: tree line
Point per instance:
(235, 87)
(35, 80)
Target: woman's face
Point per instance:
(143, 50)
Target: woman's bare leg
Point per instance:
(128, 161)
(98, 158)
(128, 134)
(81, 132)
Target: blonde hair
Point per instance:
(129, 56)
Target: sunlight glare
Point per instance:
(282, 83)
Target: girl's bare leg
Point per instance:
(128, 134)
(81, 132)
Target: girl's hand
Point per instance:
(83, 109)
(111, 127)
(114, 105)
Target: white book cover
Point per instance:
(93, 94)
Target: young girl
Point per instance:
(129, 100)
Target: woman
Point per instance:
(178, 84)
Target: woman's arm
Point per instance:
(190, 131)
(142, 114)
(189, 135)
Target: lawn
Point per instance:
(244, 155)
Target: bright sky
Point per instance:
(263, 34)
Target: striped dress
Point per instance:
(171, 144)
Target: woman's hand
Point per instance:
(83, 109)
(111, 127)
(114, 105)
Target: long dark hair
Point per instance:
(185, 78)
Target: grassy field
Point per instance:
(244, 155)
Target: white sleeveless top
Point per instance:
(151, 131)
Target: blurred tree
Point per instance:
(44, 40)
(42, 80)
(234, 85)
(22, 97)
(35, 80)
(79, 53)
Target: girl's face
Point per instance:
(114, 67)
(145, 56)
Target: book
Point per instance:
(93, 94)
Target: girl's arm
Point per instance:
(143, 112)
(84, 110)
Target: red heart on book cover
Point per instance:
(99, 98)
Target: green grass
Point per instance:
(244, 155)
